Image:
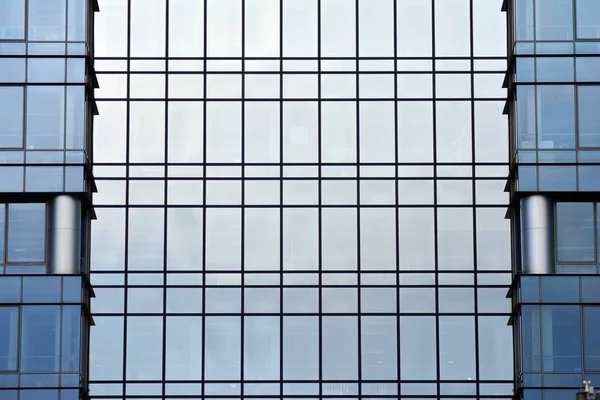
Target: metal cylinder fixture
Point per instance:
(64, 235)
(537, 235)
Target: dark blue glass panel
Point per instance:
(71, 338)
(524, 19)
(69, 394)
(575, 232)
(561, 344)
(588, 20)
(562, 380)
(556, 116)
(530, 380)
(590, 289)
(41, 289)
(39, 380)
(589, 118)
(9, 394)
(560, 289)
(530, 289)
(26, 232)
(591, 332)
(72, 289)
(40, 335)
(527, 178)
(9, 338)
(558, 178)
(10, 289)
(39, 394)
(588, 178)
(525, 69)
(532, 394)
(531, 338)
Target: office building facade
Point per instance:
(298, 198)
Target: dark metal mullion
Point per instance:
(358, 208)
(396, 192)
(281, 213)
(243, 197)
(202, 354)
(320, 200)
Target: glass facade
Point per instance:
(301, 198)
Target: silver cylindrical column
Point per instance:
(64, 235)
(537, 235)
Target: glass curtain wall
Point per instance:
(300, 198)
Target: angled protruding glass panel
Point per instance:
(9, 338)
(11, 117)
(12, 20)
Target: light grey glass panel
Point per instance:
(455, 238)
(457, 348)
(454, 191)
(146, 42)
(418, 348)
(417, 300)
(575, 232)
(378, 300)
(452, 28)
(414, 16)
(376, 28)
(339, 356)
(9, 338)
(111, 29)
(147, 86)
(12, 20)
(147, 131)
(108, 300)
(45, 117)
(339, 241)
(415, 131)
(261, 131)
(108, 246)
(416, 238)
(144, 348)
(453, 132)
(300, 239)
(184, 239)
(338, 28)
(145, 300)
(223, 300)
(261, 300)
(223, 239)
(300, 347)
(300, 128)
(110, 126)
(377, 239)
(145, 239)
(489, 28)
(524, 19)
(40, 339)
(456, 300)
(300, 300)
(338, 132)
(106, 348)
(75, 119)
(300, 28)
(376, 132)
(588, 97)
(224, 28)
(186, 28)
(47, 21)
(222, 352)
(491, 132)
(11, 116)
(261, 348)
(526, 118)
(223, 132)
(339, 300)
(379, 348)
(261, 233)
(556, 116)
(26, 232)
(554, 19)
(262, 28)
(493, 239)
(495, 345)
(185, 136)
(184, 348)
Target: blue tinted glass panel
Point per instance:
(41, 289)
(555, 69)
(526, 121)
(588, 178)
(72, 289)
(575, 232)
(556, 116)
(10, 289)
(2, 230)
(588, 69)
(45, 117)
(11, 117)
(554, 19)
(261, 348)
(563, 289)
(589, 289)
(530, 289)
(589, 118)
(555, 178)
(71, 334)
(75, 117)
(47, 20)
(9, 338)
(525, 70)
(591, 330)
(12, 19)
(561, 344)
(588, 19)
(39, 394)
(77, 20)
(531, 338)
(26, 232)
(524, 19)
(222, 348)
(40, 339)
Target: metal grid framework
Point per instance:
(140, 241)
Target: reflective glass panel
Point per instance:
(9, 338)
(11, 116)
(12, 19)
(575, 232)
(26, 232)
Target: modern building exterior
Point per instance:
(298, 199)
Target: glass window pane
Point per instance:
(45, 117)
(338, 25)
(184, 136)
(493, 239)
(376, 28)
(339, 242)
(26, 232)
(300, 239)
(184, 348)
(106, 348)
(377, 131)
(338, 132)
(300, 130)
(146, 231)
(224, 28)
(261, 28)
(495, 345)
(456, 300)
(340, 348)
(222, 348)
(146, 42)
(561, 334)
(40, 339)
(299, 28)
(12, 20)
(416, 239)
(300, 348)
(108, 246)
(452, 28)
(414, 16)
(418, 348)
(147, 131)
(531, 339)
(524, 19)
(47, 20)
(261, 348)
(453, 131)
(588, 97)
(554, 19)
(556, 117)
(144, 348)
(11, 116)
(575, 232)
(489, 28)
(378, 348)
(457, 348)
(455, 238)
(377, 238)
(223, 239)
(588, 24)
(223, 132)
(71, 339)
(186, 28)
(184, 239)
(591, 320)
(9, 338)
(261, 132)
(261, 233)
